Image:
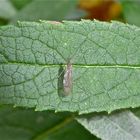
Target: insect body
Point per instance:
(67, 81)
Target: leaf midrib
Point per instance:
(76, 65)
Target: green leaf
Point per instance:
(7, 10)
(21, 124)
(131, 10)
(19, 4)
(105, 65)
(118, 126)
(45, 9)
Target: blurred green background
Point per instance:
(34, 10)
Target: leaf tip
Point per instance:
(18, 23)
(42, 21)
(36, 109)
(56, 111)
(14, 106)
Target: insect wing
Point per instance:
(67, 81)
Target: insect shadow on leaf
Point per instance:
(61, 73)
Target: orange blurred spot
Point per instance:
(101, 9)
(89, 4)
(114, 10)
